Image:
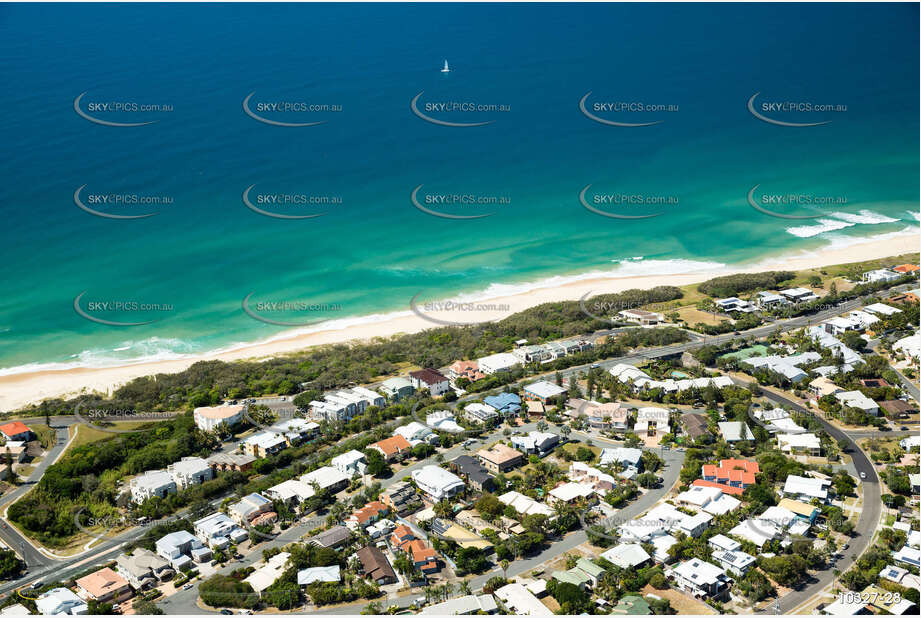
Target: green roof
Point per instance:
(632, 605)
(584, 564)
(570, 577)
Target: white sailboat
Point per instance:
(446, 68)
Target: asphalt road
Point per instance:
(866, 525)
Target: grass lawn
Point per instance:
(572, 447)
(88, 435)
(692, 315)
(45, 434)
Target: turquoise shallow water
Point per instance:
(205, 251)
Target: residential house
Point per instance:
(700, 579)
(642, 317)
(734, 304)
(695, 425)
(465, 369)
(542, 391)
(735, 561)
(822, 387)
(536, 442)
(327, 478)
(231, 462)
(802, 510)
(190, 471)
(443, 420)
(735, 431)
(880, 275)
(498, 363)
(351, 463)
(218, 531)
(506, 404)
(437, 482)
(480, 413)
(250, 508)
(323, 575)
(651, 422)
(393, 449)
(181, 549)
(367, 515)
(461, 606)
(798, 295)
(732, 472)
(416, 433)
(800, 444)
(267, 574)
(264, 444)
(16, 431)
(209, 418)
(430, 379)
(401, 498)
(856, 399)
(628, 556)
(525, 505)
(396, 388)
(805, 489)
(143, 568)
(500, 458)
(473, 473)
(332, 538)
(374, 565)
(158, 483)
(59, 601)
(518, 600)
(104, 586)
(769, 300)
(292, 492)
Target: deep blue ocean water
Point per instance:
(205, 251)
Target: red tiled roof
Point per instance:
(394, 445)
(906, 268)
(372, 509)
(14, 428)
(744, 464)
(709, 470)
(428, 375)
(726, 489)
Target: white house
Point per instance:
(190, 471)
(209, 418)
(735, 561)
(525, 505)
(351, 463)
(291, 491)
(701, 579)
(798, 295)
(152, 483)
(268, 573)
(805, 489)
(627, 555)
(856, 399)
(536, 442)
(218, 531)
(496, 363)
(910, 346)
(443, 420)
(518, 600)
(437, 482)
(477, 412)
(880, 275)
(799, 444)
(181, 549)
(416, 433)
(59, 601)
(327, 478)
(881, 309)
(436, 383)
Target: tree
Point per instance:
(10, 564)
(10, 475)
(504, 564)
(377, 465)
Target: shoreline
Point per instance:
(22, 389)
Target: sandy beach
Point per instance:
(19, 390)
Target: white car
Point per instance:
(863, 475)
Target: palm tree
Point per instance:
(504, 564)
(444, 509)
(465, 587)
